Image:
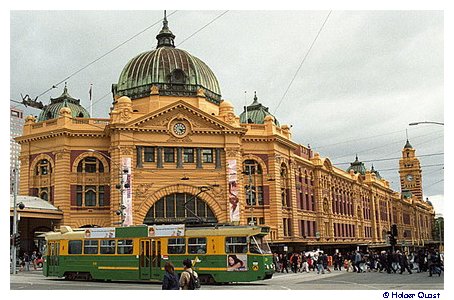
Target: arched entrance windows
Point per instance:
(170, 210)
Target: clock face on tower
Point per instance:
(409, 177)
(179, 129)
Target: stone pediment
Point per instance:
(181, 111)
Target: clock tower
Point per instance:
(410, 173)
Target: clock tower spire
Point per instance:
(410, 173)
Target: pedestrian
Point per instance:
(325, 262)
(294, 261)
(170, 280)
(276, 262)
(358, 260)
(403, 262)
(27, 261)
(320, 263)
(284, 263)
(304, 264)
(33, 259)
(188, 276)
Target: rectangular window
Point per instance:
(79, 195)
(90, 195)
(91, 247)
(101, 195)
(90, 164)
(197, 245)
(235, 245)
(250, 195)
(107, 247)
(261, 220)
(250, 220)
(75, 247)
(207, 155)
(260, 195)
(124, 247)
(176, 246)
(148, 154)
(169, 155)
(188, 155)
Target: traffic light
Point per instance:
(394, 230)
(17, 240)
(392, 240)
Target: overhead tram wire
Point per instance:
(105, 54)
(190, 36)
(222, 14)
(385, 145)
(391, 158)
(302, 62)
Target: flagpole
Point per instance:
(91, 103)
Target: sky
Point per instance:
(367, 76)
(374, 68)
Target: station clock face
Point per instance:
(179, 129)
(410, 177)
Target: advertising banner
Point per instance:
(237, 262)
(127, 192)
(166, 230)
(234, 203)
(100, 233)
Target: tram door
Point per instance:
(156, 258)
(145, 259)
(53, 258)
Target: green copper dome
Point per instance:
(377, 174)
(256, 113)
(174, 71)
(357, 166)
(52, 110)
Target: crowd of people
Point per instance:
(424, 260)
(26, 260)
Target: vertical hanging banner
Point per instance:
(234, 203)
(127, 192)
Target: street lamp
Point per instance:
(15, 235)
(426, 122)
(121, 211)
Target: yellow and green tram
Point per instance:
(220, 253)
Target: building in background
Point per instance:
(172, 140)
(16, 121)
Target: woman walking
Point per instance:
(170, 281)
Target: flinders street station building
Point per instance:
(173, 151)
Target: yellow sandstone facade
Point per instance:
(171, 142)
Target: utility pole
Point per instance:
(13, 246)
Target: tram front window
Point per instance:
(259, 245)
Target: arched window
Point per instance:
(90, 164)
(285, 197)
(254, 182)
(90, 196)
(44, 195)
(171, 209)
(177, 77)
(43, 167)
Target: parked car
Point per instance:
(39, 262)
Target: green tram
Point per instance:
(220, 253)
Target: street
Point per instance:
(34, 280)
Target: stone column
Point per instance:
(62, 182)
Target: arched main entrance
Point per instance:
(170, 210)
